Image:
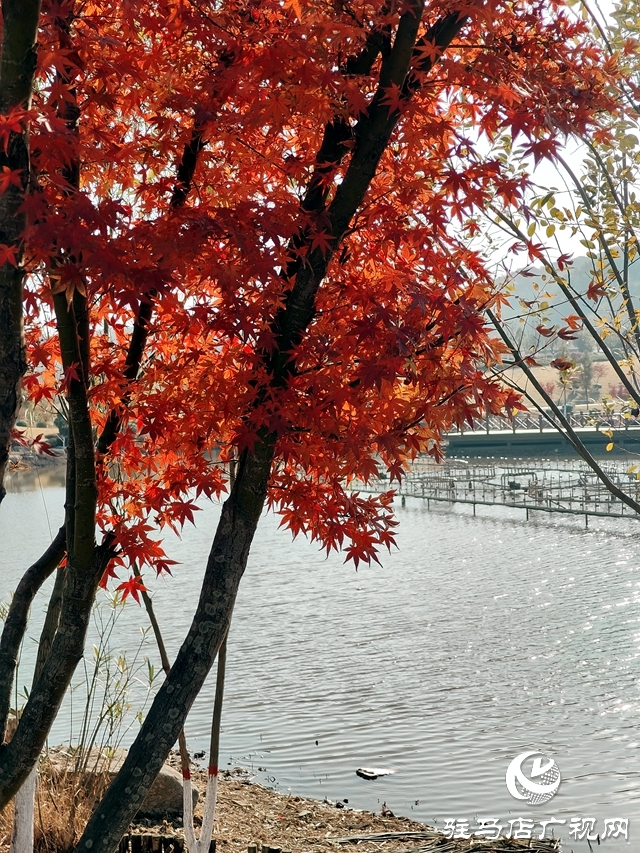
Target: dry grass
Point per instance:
(64, 802)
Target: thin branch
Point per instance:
(624, 285)
(577, 307)
(16, 622)
(140, 332)
(565, 427)
(166, 666)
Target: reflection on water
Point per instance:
(478, 639)
(30, 479)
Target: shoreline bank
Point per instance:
(253, 819)
(248, 815)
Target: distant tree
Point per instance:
(585, 374)
(62, 425)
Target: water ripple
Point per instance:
(477, 639)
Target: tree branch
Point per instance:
(86, 493)
(140, 333)
(16, 622)
(577, 307)
(566, 430)
(624, 284)
(333, 150)
(372, 136)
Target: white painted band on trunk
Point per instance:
(187, 807)
(22, 835)
(209, 813)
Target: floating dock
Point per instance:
(535, 486)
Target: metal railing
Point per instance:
(530, 421)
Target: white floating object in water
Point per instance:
(372, 772)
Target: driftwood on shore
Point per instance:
(435, 840)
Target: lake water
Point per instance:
(479, 638)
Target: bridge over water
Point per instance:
(529, 434)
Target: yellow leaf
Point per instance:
(551, 230)
(531, 229)
(609, 446)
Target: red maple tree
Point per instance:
(242, 235)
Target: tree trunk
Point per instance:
(225, 567)
(17, 66)
(16, 622)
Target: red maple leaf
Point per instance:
(9, 177)
(323, 241)
(567, 334)
(8, 255)
(71, 375)
(562, 364)
(545, 331)
(133, 587)
(40, 446)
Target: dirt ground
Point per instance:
(247, 814)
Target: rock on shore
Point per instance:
(164, 800)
